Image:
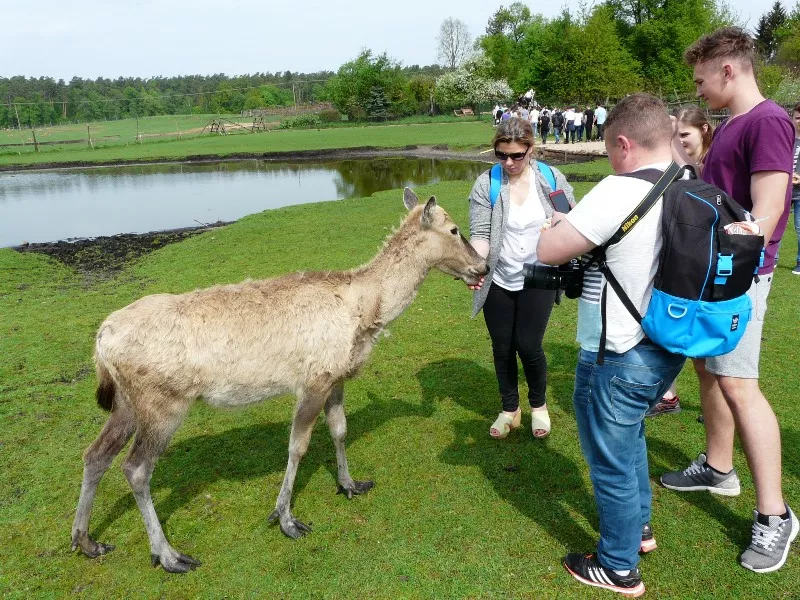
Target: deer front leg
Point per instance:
(337, 423)
(308, 408)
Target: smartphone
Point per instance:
(560, 202)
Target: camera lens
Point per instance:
(540, 277)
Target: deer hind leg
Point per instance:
(337, 423)
(151, 440)
(309, 406)
(98, 457)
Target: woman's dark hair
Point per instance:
(514, 129)
(694, 116)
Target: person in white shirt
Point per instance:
(506, 233)
(600, 119)
(569, 126)
(578, 120)
(611, 399)
(533, 117)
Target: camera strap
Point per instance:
(662, 181)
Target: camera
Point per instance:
(567, 277)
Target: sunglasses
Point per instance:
(515, 156)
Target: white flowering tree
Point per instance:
(470, 85)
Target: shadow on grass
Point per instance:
(187, 468)
(532, 475)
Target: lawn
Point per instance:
(116, 140)
(454, 514)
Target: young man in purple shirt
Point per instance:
(751, 159)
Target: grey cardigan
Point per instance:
(490, 224)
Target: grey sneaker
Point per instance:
(770, 544)
(796, 270)
(698, 477)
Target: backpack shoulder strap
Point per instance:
(673, 172)
(495, 183)
(548, 174)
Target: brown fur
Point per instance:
(234, 345)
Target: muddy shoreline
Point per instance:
(558, 155)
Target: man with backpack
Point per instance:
(558, 124)
(636, 372)
(750, 158)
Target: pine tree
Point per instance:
(767, 29)
(377, 103)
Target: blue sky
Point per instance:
(145, 38)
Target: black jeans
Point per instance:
(516, 322)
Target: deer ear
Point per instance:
(410, 199)
(427, 213)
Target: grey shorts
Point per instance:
(743, 360)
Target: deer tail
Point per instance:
(106, 388)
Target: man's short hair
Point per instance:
(796, 108)
(725, 43)
(642, 118)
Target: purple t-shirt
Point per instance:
(759, 140)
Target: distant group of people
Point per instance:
(572, 123)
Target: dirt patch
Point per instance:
(105, 256)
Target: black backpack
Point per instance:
(558, 119)
(699, 307)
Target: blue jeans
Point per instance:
(610, 402)
(796, 206)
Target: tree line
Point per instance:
(595, 54)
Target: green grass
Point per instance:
(454, 513)
(107, 132)
(462, 134)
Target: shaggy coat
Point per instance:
(234, 345)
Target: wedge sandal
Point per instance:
(505, 423)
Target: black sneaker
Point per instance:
(648, 541)
(664, 407)
(588, 570)
(700, 477)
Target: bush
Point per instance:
(309, 120)
(330, 116)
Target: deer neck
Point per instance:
(397, 273)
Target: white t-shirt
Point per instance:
(578, 118)
(633, 261)
(569, 116)
(533, 115)
(600, 114)
(519, 242)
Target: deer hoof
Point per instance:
(295, 529)
(358, 488)
(290, 526)
(175, 562)
(88, 546)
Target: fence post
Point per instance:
(89, 137)
(35, 141)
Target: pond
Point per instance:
(47, 206)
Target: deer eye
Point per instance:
(454, 231)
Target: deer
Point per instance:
(235, 345)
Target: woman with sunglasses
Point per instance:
(507, 234)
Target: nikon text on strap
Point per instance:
(673, 172)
